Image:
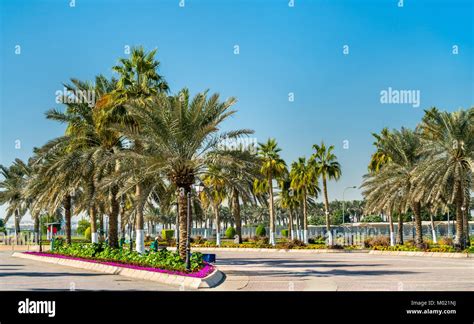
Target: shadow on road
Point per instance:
(50, 274)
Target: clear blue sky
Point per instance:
(282, 49)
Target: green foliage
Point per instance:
(260, 231)
(82, 225)
(230, 232)
(372, 219)
(162, 259)
(87, 234)
(167, 234)
(284, 233)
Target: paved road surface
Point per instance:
(24, 274)
(268, 271)
(343, 271)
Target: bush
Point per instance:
(167, 234)
(260, 231)
(376, 241)
(82, 225)
(87, 234)
(230, 232)
(317, 240)
(199, 239)
(284, 233)
(445, 241)
(162, 259)
(291, 244)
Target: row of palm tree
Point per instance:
(430, 167)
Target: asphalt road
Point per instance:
(343, 272)
(24, 274)
(267, 271)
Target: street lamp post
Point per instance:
(188, 235)
(343, 201)
(198, 188)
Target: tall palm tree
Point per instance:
(214, 194)
(391, 188)
(304, 179)
(324, 161)
(15, 178)
(446, 171)
(379, 158)
(179, 138)
(272, 167)
(288, 199)
(138, 82)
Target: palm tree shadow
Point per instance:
(50, 274)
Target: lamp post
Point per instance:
(343, 201)
(199, 187)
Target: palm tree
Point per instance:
(304, 179)
(446, 171)
(214, 193)
(138, 82)
(379, 158)
(390, 189)
(324, 162)
(179, 139)
(12, 193)
(288, 199)
(272, 167)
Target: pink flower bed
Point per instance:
(205, 271)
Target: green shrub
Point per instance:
(260, 231)
(82, 225)
(87, 234)
(284, 233)
(380, 240)
(230, 232)
(162, 259)
(372, 219)
(167, 234)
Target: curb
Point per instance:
(422, 254)
(212, 280)
(310, 251)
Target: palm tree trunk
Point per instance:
(140, 235)
(392, 231)
(93, 222)
(183, 228)
(101, 227)
(290, 224)
(17, 223)
(271, 211)
(67, 217)
(305, 219)
(218, 225)
(460, 241)
(467, 202)
(37, 229)
(418, 226)
(298, 225)
(238, 220)
(113, 218)
(400, 229)
(326, 207)
(433, 231)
